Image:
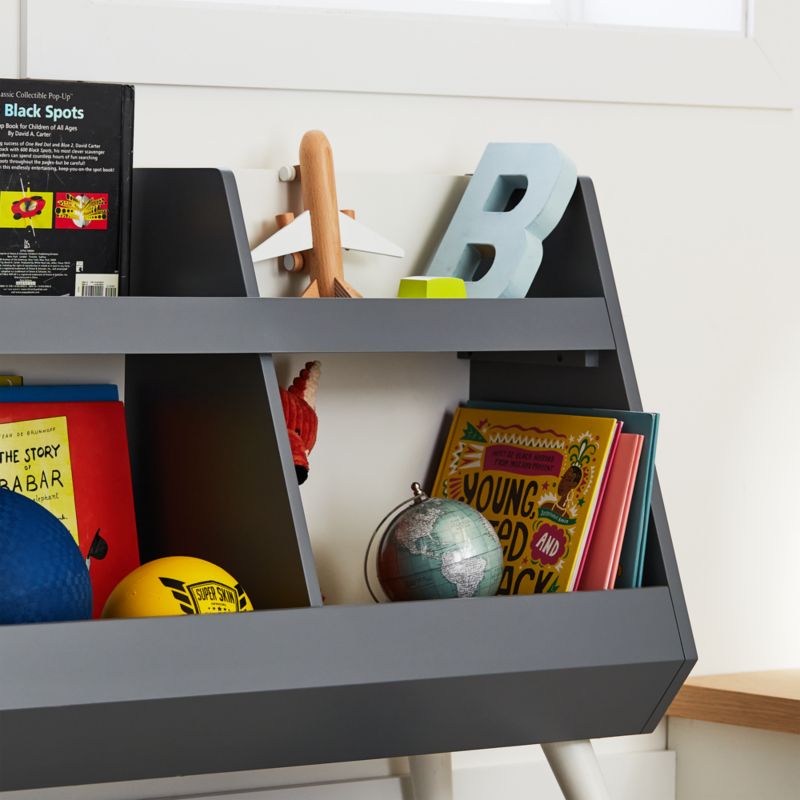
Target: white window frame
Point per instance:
(200, 44)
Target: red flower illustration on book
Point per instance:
(549, 544)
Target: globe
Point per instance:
(438, 549)
(45, 578)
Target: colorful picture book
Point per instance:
(66, 157)
(72, 457)
(630, 573)
(537, 478)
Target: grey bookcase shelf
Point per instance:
(298, 682)
(150, 325)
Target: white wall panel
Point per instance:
(198, 44)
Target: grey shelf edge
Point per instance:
(149, 325)
(285, 684)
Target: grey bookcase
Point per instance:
(298, 682)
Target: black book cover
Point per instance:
(66, 153)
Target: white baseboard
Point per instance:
(369, 789)
(630, 776)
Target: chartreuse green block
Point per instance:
(424, 286)
(516, 197)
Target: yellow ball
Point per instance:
(176, 585)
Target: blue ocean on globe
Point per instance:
(439, 549)
(44, 575)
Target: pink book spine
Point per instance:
(599, 502)
(612, 516)
(612, 577)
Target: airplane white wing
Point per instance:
(356, 236)
(293, 238)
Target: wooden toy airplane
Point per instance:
(316, 237)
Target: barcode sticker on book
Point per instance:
(89, 284)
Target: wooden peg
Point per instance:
(293, 262)
(289, 174)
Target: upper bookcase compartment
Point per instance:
(191, 294)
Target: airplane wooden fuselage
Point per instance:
(322, 230)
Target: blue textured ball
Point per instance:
(44, 575)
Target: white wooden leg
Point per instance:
(432, 776)
(577, 770)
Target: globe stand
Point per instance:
(418, 496)
(574, 765)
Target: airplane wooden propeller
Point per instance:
(314, 240)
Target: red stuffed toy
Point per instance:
(301, 419)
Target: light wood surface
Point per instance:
(766, 700)
(319, 197)
(284, 219)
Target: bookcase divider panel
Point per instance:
(194, 242)
(233, 495)
(212, 472)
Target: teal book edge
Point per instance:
(651, 471)
(634, 543)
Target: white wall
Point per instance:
(700, 211)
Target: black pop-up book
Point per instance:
(66, 152)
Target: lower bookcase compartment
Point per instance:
(171, 696)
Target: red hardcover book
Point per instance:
(101, 482)
(626, 507)
(602, 559)
(600, 500)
